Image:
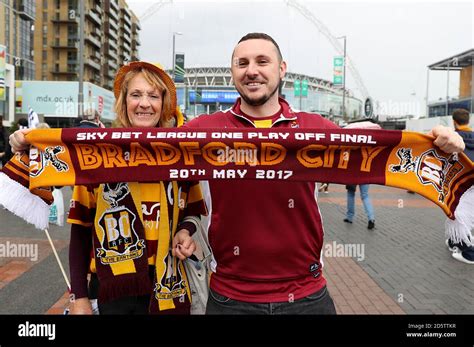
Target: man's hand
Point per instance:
(18, 141)
(80, 306)
(183, 244)
(447, 139)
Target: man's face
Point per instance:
(257, 71)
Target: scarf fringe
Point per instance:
(459, 230)
(20, 201)
(124, 285)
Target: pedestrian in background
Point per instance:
(364, 188)
(364, 196)
(5, 149)
(90, 119)
(324, 188)
(459, 237)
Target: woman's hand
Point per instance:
(18, 141)
(80, 306)
(183, 244)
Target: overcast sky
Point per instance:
(390, 43)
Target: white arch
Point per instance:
(332, 39)
(153, 9)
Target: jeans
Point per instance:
(364, 195)
(316, 303)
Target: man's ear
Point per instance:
(282, 69)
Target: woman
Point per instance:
(128, 275)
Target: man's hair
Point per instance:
(461, 116)
(262, 36)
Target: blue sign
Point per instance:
(213, 96)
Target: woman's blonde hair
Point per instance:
(167, 111)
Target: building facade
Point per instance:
(17, 19)
(208, 89)
(108, 39)
(461, 64)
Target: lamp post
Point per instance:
(447, 89)
(344, 79)
(174, 41)
(80, 98)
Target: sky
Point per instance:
(389, 43)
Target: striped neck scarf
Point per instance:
(399, 159)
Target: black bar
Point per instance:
(348, 329)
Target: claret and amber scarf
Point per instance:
(399, 159)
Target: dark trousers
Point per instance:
(126, 305)
(316, 303)
(131, 305)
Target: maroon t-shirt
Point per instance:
(266, 236)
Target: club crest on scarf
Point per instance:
(430, 169)
(120, 241)
(173, 284)
(39, 160)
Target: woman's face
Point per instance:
(144, 103)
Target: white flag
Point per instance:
(33, 119)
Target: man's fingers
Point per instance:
(187, 252)
(179, 253)
(191, 249)
(187, 242)
(440, 141)
(174, 243)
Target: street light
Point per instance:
(174, 39)
(344, 76)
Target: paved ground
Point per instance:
(402, 266)
(405, 254)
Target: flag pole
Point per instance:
(57, 259)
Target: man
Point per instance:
(461, 124)
(267, 236)
(90, 119)
(458, 232)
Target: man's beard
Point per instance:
(260, 101)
